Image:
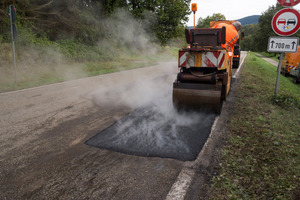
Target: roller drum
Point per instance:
(195, 97)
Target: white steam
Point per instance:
(123, 36)
(126, 31)
(154, 125)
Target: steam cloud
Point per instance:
(123, 35)
(126, 31)
(154, 128)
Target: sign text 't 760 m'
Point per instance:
(283, 44)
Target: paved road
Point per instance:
(43, 130)
(273, 62)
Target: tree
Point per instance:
(165, 18)
(257, 35)
(249, 42)
(170, 18)
(86, 20)
(204, 23)
(109, 6)
(265, 29)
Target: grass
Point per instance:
(45, 65)
(261, 156)
(110, 67)
(43, 74)
(274, 56)
(41, 61)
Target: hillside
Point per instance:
(253, 19)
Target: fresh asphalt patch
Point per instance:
(150, 133)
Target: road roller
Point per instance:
(204, 76)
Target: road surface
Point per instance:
(43, 154)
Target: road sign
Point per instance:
(12, 13)
(286, 22)
(288, 3)
(283, 44)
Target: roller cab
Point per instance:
(204, 76)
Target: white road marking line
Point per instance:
(181, 185)
(184, 179)
(240, 67)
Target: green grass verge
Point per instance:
(37, 75)
(41, 61)
(53, 68)
(98, 68)
(261, 156)
(273, 56)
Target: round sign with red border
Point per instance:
(286, 22)
(288, 3)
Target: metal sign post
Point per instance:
(13, 32)
(278, 74)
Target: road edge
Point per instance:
(181, 186)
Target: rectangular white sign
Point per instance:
(283, 44)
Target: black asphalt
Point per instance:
(149, 131)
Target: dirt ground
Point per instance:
(43, 130)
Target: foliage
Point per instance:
(257, 35)
(85, 21)
(250, 42)
(170, 17)
(204, 23)
(42, 61)
(111, 5)
(265, 29)
(274, 56)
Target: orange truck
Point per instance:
(290, 61)
(290, 65)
